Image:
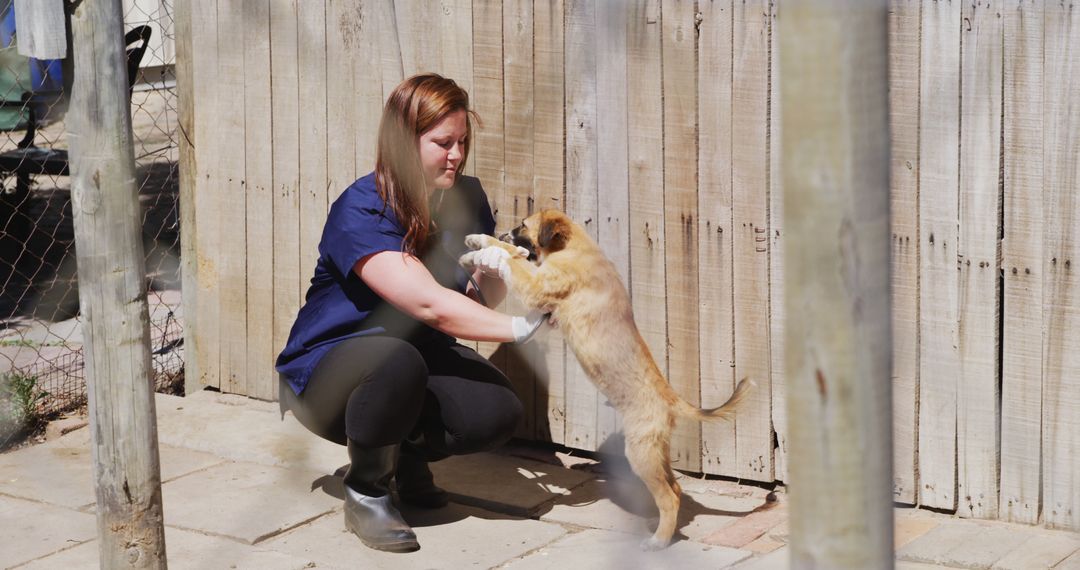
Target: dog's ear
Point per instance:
(554, 231)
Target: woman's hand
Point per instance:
(494, 261)
(525, 327)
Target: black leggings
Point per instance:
(378, 391)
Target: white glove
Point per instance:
(525, 327)
(493, 261)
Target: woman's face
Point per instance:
(441, 149)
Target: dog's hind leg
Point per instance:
(649, 459)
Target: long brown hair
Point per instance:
(415, 106)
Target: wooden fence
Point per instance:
(652, 123)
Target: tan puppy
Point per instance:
(581, 289)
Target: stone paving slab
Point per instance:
(1070, 563)
(455, 536)
(778, 560)
(249, 431)
(628, 508)
(60, 472)
(590, 506)
(965, 544)
(184, 550)
(775, 560)
(990, 545)
(595, 548)
(934, 546)
(248, 501)
(506, 484)
(901, 565)
(31, 530)
(1044, 550)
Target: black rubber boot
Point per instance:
(415, 483)
(369, 509)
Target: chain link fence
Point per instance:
(42, 371)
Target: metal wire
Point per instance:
(40, 327)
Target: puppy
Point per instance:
(580, 287)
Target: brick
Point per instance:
(748, 528)
(764, 545)
(908, 528)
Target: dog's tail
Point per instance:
(722, 412)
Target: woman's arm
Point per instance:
(493, 289)
(404, 282)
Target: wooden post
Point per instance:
(838, 346)
(112, 294)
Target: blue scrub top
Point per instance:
(338, 305)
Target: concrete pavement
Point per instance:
(244, 489)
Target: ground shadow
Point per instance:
(38, 277)
(613, 481)
(418, 517)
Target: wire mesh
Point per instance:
(40, 328)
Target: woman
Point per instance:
(371, 360)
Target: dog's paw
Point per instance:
(479, 241)
(653, 543)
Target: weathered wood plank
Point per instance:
(261, 379)
(1061, 280)
(454, 22)
(904, 196)
(980, 144)
(229, 134)
(391, 61)
(550, 403)
(518, 151)
(777, 309)
(285, 135)
(366, 49)
(939, 365)
(487, 99)
(418, 37)
(312, 190)
(680, 219)
(716, 326)
(204, 41)
(349, 46)
(188, 172)
(1022, 254)
(612, 168)
(645, 144)
(750, 220)
(581, 191)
